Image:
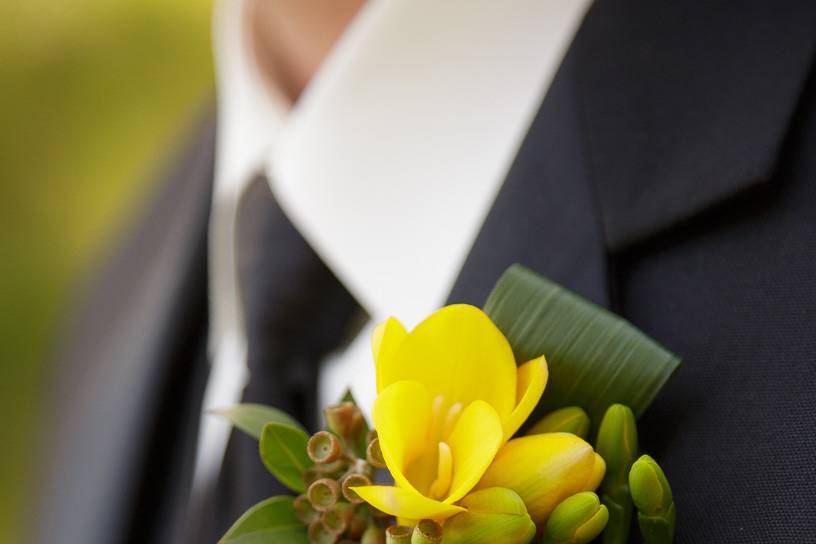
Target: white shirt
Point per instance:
(388, 164)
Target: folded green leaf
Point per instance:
(283, 451)
(251, 418)
(595, 357)
(274, 513)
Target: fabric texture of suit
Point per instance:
(669, 175)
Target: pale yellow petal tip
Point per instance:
(531, 382)
(405, 503)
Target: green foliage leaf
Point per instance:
(277, 535)
(283, 451)
(251, 418)
(275, 514)
(595, 357)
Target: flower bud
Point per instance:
(617, 444)
(398, 534)
(577, 520)
(304, 510)
(373, 535)
(323, 494)
(571, 419)
(371, 435)
(427, 531)
(493, 514)
(353, 480)
(345, 419)
(333, 523)
(374, 454)
(323, 448)
(336, 520)
(650, 488)
(545, 469)
(653, 497)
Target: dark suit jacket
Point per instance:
(669, 175)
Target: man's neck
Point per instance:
(291, 38)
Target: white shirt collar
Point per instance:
(394, 154)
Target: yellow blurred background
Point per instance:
(94, 96)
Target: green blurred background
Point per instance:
(94, 96)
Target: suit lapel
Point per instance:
(544, 216)
(685, 104)
(660, 110)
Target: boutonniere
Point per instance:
(513, 423)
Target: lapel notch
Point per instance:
(686, 104)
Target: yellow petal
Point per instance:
(474, 442)
(532, 379)
(457, 352)
(544, 469)
(385, 341)
(402, 417)
(405, 503)
(597, 474)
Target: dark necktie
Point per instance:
(295, 312)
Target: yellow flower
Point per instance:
(449, 397)
(545, 469)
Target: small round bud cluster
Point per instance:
(346, 456)
(426, 531)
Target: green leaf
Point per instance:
(283, 451)
(277, 535)
(251, 418)
(595, 357)
(274, 513)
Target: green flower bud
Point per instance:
(373, 535)
(571, 419)
(617, 443)
(650, 488)
(577, 520)
(398, 534)
(494, 514)
(427, 531)
(653, 497)
(353, 480)
(323, 448)
(323, 494)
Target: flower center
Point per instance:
(444, 473)
(431, 473)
